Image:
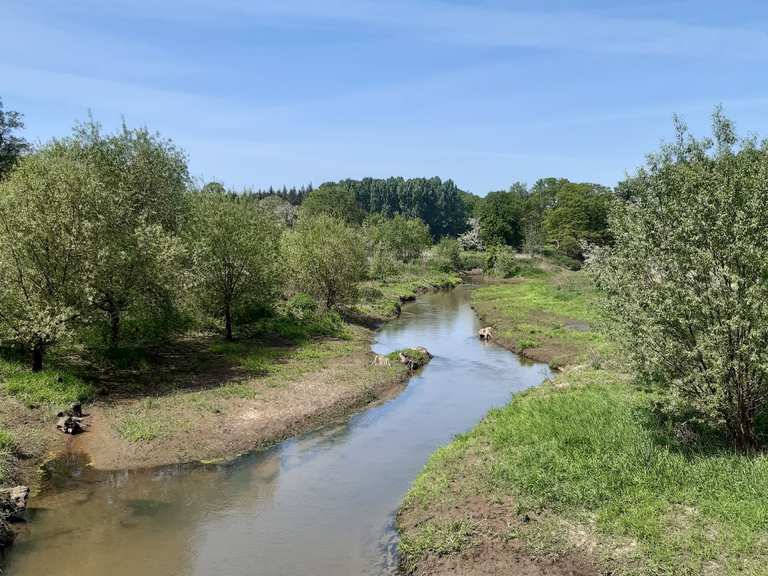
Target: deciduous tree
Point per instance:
(326, 258)
(235, 249)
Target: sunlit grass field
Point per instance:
(590, 459)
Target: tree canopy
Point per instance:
(235, 251)
(326, 258)
(438, 203)
(12, 146)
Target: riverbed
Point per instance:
(322, 504)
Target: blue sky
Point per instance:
(286, 92)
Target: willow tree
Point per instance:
(47, 208)
(326, 258)
(235, 250)
(136, 266)
(687, 276)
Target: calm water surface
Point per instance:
(320, 505)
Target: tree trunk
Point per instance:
(114, 327)
(743, 434)
(38, 351)
(227, 322)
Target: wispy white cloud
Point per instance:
(476, 25)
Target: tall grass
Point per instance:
(50, 388)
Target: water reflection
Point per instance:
(321, 505)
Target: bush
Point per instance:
(446, 256)
(383, 264)
(505, 263)
(301, 306)
(566, 262)
(686, 276)
(326, 258)
(471, 260)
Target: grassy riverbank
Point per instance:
(582, 475)
(201, 398)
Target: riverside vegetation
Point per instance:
(198, 322)
(645, 453)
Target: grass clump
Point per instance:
(415, 356)
(7, 449)
(438, 538)
(143, 424)
(50, 388)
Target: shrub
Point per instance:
(383, 264)
(471, 260)
(686, 276)
(446, 255)
(505, 264)
(326, 258)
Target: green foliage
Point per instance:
(501, 217)
(235, 251)
(134, 263)
(471, 260)
(7, 450)
(686, 276)
(472, 203)
(50, 388)
(335, 201)
(436, 202)
(570, 214)
(556, 211)
(383, 264)
(563, 260)
(404, 238)
(326, 259)
(47, 207)
(446, 256)
(505, 263)
(11, 145)
(298, 329)
(301, 306)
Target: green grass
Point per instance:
(7, 449)
(50, 388)
(438, 538)
(592, 454)
(601, 471)
(284, 361)
(558, 314)
(419, 357)
(142, 424)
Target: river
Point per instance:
(322, 504)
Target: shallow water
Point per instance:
(321, 505)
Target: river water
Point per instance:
(321, 504)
